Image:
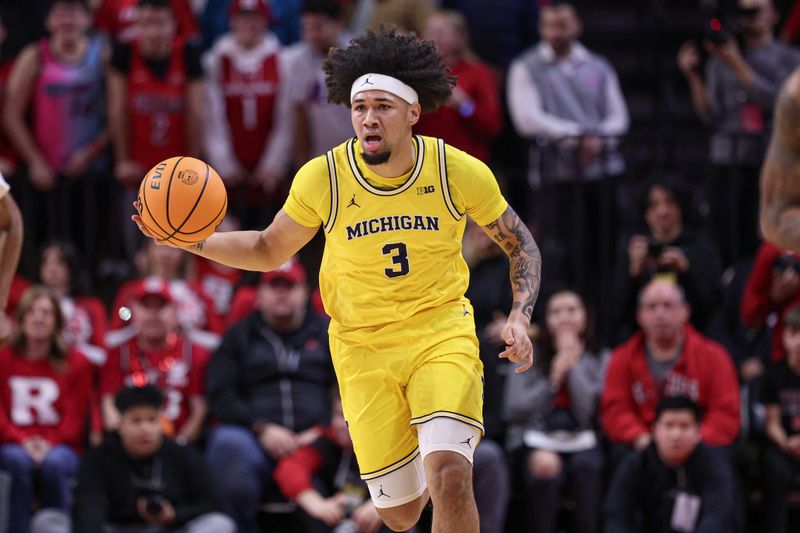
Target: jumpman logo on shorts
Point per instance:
(381, 493)
(353, 202)
(467, 442)
(465, 310)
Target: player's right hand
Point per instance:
(138, 221)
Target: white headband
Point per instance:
(382, 82)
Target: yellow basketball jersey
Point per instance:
(393, 245)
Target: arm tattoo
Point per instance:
(780, 179)
(514, 238)
(199, 246)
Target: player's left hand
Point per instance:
(518, 345)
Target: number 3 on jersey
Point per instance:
(399, 254)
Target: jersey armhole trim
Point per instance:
(334, 192)
(448, 200)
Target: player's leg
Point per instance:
(447, 446)
(445, 395)
(374, 405)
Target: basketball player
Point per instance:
(393, 207)
(780, 176)
(11, 231)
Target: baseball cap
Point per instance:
(239, 6)
(291, 271)
(152, 286)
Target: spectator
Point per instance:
(11, 231)
(772, 287)
(668, 357)
(44, 402)
(472, 117)
(244, 137)
(780, 393)
(84, 315)
(267, 386)
(139, 481)
(568, 95)
(568, 99)
(674, 484)
(59, 81)
(667, 247)
(118, 19)
(152, 351)
(323, 478)
(736, 100)
(317, 125)
(551, 411)
(196, 314)
(155, 98)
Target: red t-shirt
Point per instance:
(178, 369)
(118, 19)
(36, 398)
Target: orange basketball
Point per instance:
(182, 200)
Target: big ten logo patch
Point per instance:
(427, 189)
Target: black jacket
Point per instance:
(701, 283)
(642, 494)
(110, 482)
(258, 375)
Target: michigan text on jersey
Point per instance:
(392, 223)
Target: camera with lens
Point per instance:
(786, 261)
(153, 495)
(654, 248)
(718, 32)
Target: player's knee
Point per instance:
(448, 473)
(544, 464)
(402, 517)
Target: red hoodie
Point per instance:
(704, 372)
(756, 302)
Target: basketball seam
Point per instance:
(196, 202)
(224, 205)
(144, 198)
(169, 189)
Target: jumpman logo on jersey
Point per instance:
(381, 493)
(467, 442)
(353, 202)
(465, 310)
(367, 82)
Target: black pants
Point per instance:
(780, 472)
(583, 471)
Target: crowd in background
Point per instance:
(146, 389)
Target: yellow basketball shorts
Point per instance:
(394, 377)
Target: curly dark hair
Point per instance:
(405, 57)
